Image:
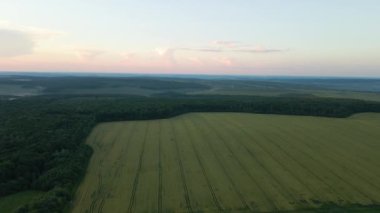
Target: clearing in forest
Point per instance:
(213, 162)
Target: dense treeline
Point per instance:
(41, 151)
(41, 138)
(133, 108)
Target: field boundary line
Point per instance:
(215, 199)
(217, 154)
(332, 172)
(285, 153)
(359, 177)
(361, 146)
(311, 172)
(136, 179)
(182, 171)
(100, 191)
(270, 202)
(128, 140)
(359, 165)
(159, 167)
(126, 149)
(288, 193)
(364, 131)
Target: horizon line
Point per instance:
(186, 74)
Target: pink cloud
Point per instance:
(224, 61)
(195, 61)
(128, 56)
(167, 55)
(232, 47)
(15, 43)
(17, 40)
(88, 54)
(228, 44)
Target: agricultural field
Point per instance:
(234, 162)
(11, 203)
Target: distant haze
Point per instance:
(241, 37)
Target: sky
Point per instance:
(239, 37)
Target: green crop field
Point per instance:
(10, 203)
(212, 162)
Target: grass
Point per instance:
(211, 162)
(10, 203)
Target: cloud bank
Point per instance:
(15, 43)
(88, 54)
(234, 46)
(221, 47)
(235, 50)
(218, 47)
(17, 40)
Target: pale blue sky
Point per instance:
(271, 37)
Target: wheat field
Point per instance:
(232, 162)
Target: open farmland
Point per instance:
(211, 162)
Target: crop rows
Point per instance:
(228, 162)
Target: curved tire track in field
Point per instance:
(285, 167)
(316, 175)
(125, 150)
(304, 167)
(100, 210)
(307, 169)
(183, 177)
(356, 188)
(217, 157)
(363, 144)
(273, 176)
(244, 168)
(359, 167)
(99, 193)
(136, 179)
(95, 141)
(210, 187)
(159, 168)
(364, 132)
(330, 170)
(103, 194)
(364, 160)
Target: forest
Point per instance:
(42, 138)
